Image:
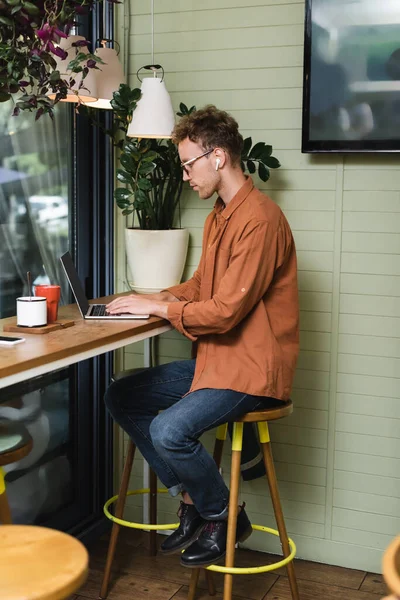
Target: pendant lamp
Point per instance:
(87, 93)
(153, 116)
(109, 76)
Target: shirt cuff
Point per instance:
(175, 317)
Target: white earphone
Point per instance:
(217, 164)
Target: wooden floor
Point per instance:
(136, 576)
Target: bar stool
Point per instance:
(38, 563)
(288, 546)
(15, 444)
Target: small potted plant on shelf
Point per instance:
(152, 184)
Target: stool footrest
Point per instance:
(132, 524)
(263, 568)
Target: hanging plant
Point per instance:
(29, 37)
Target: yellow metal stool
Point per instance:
(288, 546)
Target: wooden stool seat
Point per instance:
(268, 414)
(15, 444)
(38, 563)
(391, 566)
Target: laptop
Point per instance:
(89, 311)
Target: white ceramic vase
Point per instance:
(156, 259)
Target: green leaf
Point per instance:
(128, 163)
(257, 150)
(246, 146)
(149, 156)
(6, 21)
(55, 76)
(4, 97)
(144, 184)
(124, 177)
(31, 8)
(122, 203)
(122, 194)
(146, 168)
(126, 211)
(266, 153)
(135, 94)
(272, 162)
(263, 172)
(251, 167)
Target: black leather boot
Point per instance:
(210, 546)
(191, 524)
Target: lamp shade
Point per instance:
(88, 93)
(108, 77)
(153, 116)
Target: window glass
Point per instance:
(35, 187)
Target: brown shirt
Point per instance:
(241, 305)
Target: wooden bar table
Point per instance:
(41, 354)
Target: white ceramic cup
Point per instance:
(31, 311)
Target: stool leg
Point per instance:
(194, 578)
(273, 487)
(153, 512)
(5, 514)
(217, 455)
(119, 510)
(210, 583)
(233, 504)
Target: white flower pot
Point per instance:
(156, 259)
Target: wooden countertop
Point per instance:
(87, 338)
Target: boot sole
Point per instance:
(215, 561)
(186, 544)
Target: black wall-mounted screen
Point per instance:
(351, 100)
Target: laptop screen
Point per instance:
(76, 286)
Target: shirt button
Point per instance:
(243, 290)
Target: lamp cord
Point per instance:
(152, 32)
(104, 33)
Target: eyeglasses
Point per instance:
(189, 163)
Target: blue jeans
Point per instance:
(169, 441)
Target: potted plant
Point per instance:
(151, 178)
(29, 36)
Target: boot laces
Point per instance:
(182, 510)
(211, 527)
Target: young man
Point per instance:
(241, 308)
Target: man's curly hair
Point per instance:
(211, 128)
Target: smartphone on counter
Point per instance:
(6, 340)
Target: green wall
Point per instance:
(338, 456)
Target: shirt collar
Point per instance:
(241, 195)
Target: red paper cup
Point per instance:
(52, 295)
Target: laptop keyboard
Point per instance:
(99, 310)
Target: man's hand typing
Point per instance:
(138, 305)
